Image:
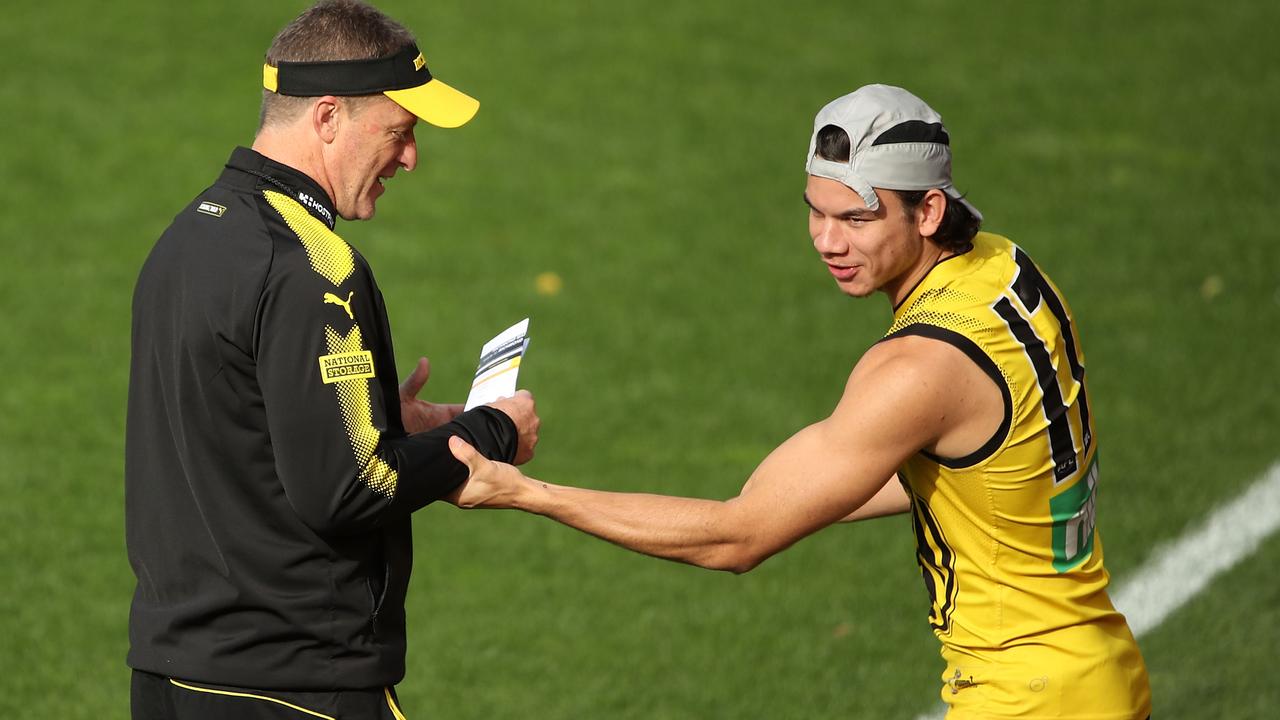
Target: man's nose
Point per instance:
(825, 239)
(409, 156)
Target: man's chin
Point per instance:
(359, 213)
(856, 291)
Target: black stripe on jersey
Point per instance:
(1060, 442)
(927, 566)
(1031, 280)
(983, 361)
(935, 558)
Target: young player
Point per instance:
(971, 414)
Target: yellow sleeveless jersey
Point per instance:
(1005, 537)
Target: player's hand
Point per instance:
(420, 415)
(489, 484)
(520, 408)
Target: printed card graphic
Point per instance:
(499, 365)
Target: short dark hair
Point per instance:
(958, 226)
(329, 30)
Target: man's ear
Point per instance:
(325, 118)
(929, 212)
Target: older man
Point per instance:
(272, 462)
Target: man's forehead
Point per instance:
(833, 193)
(389, 113)
(403, 117)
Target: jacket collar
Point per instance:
(270, 174)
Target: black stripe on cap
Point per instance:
(914, 131)
(352, 77)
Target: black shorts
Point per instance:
(155, 697)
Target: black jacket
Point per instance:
(268, 477)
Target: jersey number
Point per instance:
(1032, 288)
(1074, 509)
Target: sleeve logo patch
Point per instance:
(209, 208)
(346, 366)
(331, 299)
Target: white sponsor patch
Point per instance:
(314, 204)
(210, 208)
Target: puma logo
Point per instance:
(331, 299)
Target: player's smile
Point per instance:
(843, 273)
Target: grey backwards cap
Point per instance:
(896, 142)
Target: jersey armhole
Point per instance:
(988, 366)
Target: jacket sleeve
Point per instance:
(327, 376)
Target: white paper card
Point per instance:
(499, 365)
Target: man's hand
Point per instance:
(420, 415)
(520, 408)
(490, 484)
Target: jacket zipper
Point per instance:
(378, 600)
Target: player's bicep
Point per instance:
(808, 482)
(889, 410)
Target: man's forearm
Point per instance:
(694, 531)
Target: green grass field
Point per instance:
(651, 155)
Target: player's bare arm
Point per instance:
(892, 499)
(901, 397)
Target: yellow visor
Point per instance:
(402, 76)
(437, 103)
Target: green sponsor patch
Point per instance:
(1074, 514)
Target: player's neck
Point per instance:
(906, 283)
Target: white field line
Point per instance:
(1179, 570)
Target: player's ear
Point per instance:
(324, 118)
(930, 211)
